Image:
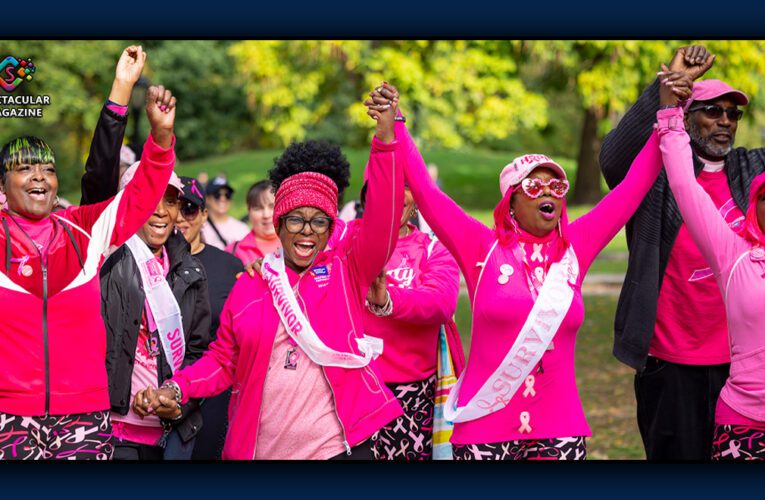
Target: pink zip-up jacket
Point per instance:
(54, 349)
(423, 283)
(330, 295)
(739, 269)
(500, 310)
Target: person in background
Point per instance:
(670, 323)
(262, 239)
(222, 270)
(221, 229)
(406, 306)
(737, 260)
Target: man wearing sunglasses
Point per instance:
(221, 229)
(670, 321)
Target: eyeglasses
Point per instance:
(222, 193)
(189, 211)
(295, 224)
(533, 187)
(715, 112)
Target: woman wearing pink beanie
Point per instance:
(291, 342)
(517, 398)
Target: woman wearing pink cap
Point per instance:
(737, 260)
(292, 342)
(517, 399)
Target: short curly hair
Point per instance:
(312, 156)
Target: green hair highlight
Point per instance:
(27, 149)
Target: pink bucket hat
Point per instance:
(521, 167)
(174, 181)
(706, 90)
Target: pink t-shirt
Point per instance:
(232, 230)
(297, 418)
(131, 427)
(691, 325)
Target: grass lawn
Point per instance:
(605, 384)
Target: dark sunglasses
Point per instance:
(715, 112)
(222, 193)
(189, 211)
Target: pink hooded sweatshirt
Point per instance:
(423, 283)
(738, 265)
(500, 310)
(330, 295)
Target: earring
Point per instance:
(512, 214)
(58, 201)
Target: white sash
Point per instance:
(551, 306)
(301, 331)
(164, 308)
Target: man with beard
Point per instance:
(670, 321)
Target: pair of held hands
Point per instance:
(382, 106)
(687, 65)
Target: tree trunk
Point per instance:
(587, 184)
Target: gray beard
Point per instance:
(704, 146)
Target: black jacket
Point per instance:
(122, 304)
(651, 232)
(122, 297)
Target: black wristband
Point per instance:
(400, 119)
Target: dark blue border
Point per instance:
(385, 19)
(365, 19)
(389, 481)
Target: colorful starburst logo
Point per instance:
(13, 72)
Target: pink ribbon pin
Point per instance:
(525, 419)
(529, 387)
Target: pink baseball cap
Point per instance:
(175, 181)
(706, 90)
(521, 167)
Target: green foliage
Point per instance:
(77, 75)
(212, 117)
(459, 92)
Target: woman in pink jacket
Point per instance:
(738, 263)
(292, 342)
(54, 394)
(407, 305)
(517, 399)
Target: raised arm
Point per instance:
(434, 300)
(101, 178)
(624, 142)
(112, 222)
(462, 235)
(716, 241)
(372, 244)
